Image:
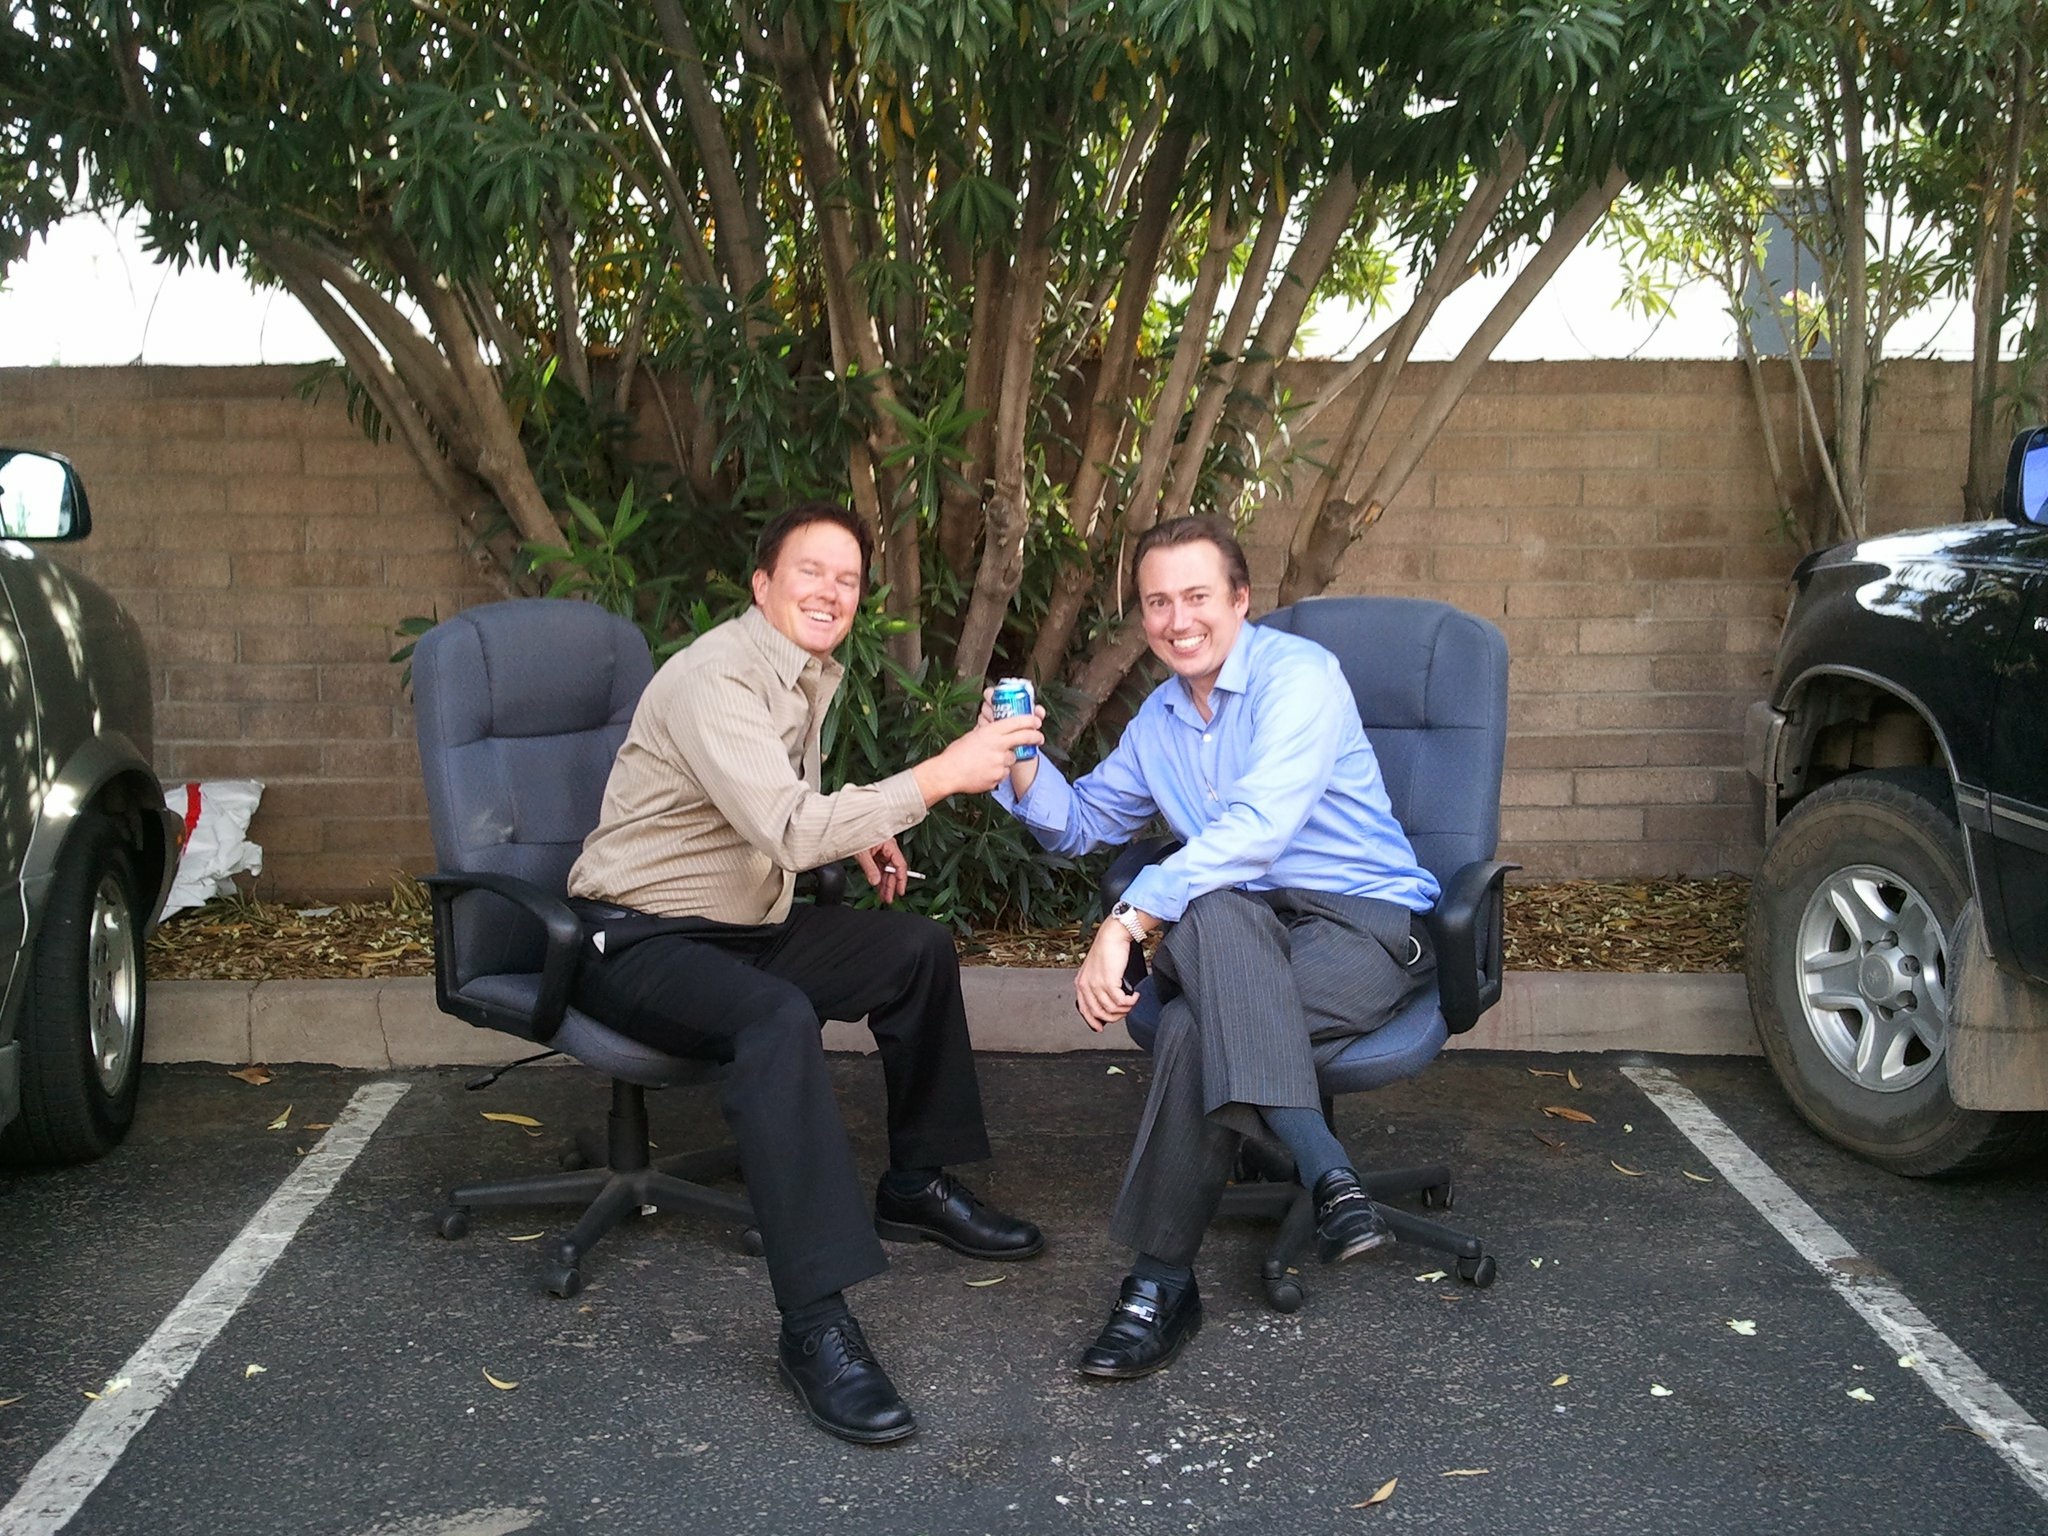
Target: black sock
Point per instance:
(1308, 1136)
(909, 1181)
(798, 1321)
(1170, 1278)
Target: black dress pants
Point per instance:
(753, 998)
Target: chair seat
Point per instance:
(1399, 1048)
(582, 1037)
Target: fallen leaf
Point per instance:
(255, 1077)
(253, 1369)
(1634, 1173)
(1543, 1072)
(1380, 1495)
(1577, 1116)
(1467, 1472)
(1697, 1178)
(1629, 1129)
(1116, 1072)
(502, 1386)
(1573, 1078)
(1432, 1277)
(1535, 1263)
(1861, 1396)
(281, 1121)
(1549, 1141)
(92, 1397)
(525, 1237)
(992, 1280)
(318, 1125)
(1743, 1326)
(1659, 1391)
(8, 1402)
(1906, 1362)
(505, 1119)
(1560, 1381)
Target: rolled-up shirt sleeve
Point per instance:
(733, 747)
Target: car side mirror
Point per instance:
(41, 497)
(2026, 479)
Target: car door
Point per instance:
(20, 772)
(2017, 785)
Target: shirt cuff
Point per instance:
(905, 800)
(1046, 806)
(1160, 891)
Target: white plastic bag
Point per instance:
(216, 813)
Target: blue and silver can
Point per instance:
(1012, 696)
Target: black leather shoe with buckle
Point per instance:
(1145, 1331)
(1347, 1224)
(947, 1211)
(842, 1385)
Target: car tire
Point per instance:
(1850, 922)
(82, 1017)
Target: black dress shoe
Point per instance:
(947, 1211)
(1145, 1331)
(842, 1385)
(1347, 1224)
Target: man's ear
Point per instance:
(760, 585)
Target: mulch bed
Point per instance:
(1566, 925)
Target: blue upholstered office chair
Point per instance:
(1432, 688)
(520, 708)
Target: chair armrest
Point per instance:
(563, 954)
(1466, 928)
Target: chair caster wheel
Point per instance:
(452, 1221)
(751, 1244)
(563, 1280)
(1439, 1197)
(1285, 1294)
(1480, 1271)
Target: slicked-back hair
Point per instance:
(768, 549)
(1198, 528)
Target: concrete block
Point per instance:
(198, 1021)
(1700, 1015)
(416, 1033)
(334, 1022)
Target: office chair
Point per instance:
(520, 708)
(1431, 684)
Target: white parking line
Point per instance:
(1981, 1403)
(62, 1481)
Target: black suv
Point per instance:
(1898, 927)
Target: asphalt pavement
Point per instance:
(1597, 1387)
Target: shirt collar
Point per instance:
(784, 655)
(1234, 677)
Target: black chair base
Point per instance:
(626, 1179)
(1286, 1202)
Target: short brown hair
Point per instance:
(1200, 528)
(769, 547)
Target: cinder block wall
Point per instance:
(1615, 518)
(268, 550)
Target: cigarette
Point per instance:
(908, 874)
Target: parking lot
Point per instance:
(1598, 1386)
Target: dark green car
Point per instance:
(87, 848)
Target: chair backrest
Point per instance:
(520, 708)
(1431, 683)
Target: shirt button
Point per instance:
(1205, 735)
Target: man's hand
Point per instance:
(888, 871)
(1023, 770)
(1099, 990)
(976, 763)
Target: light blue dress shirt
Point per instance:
(1279, 790)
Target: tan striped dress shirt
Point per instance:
(713, 804)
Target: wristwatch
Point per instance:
(1123, 912)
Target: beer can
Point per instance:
(1012, 696)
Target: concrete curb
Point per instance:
(374, 1025)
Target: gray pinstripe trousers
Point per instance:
(1259, 988)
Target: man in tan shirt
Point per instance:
(696, 949)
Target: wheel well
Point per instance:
(130, 801)
(1840, 725)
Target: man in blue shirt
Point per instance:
(1291, 915)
